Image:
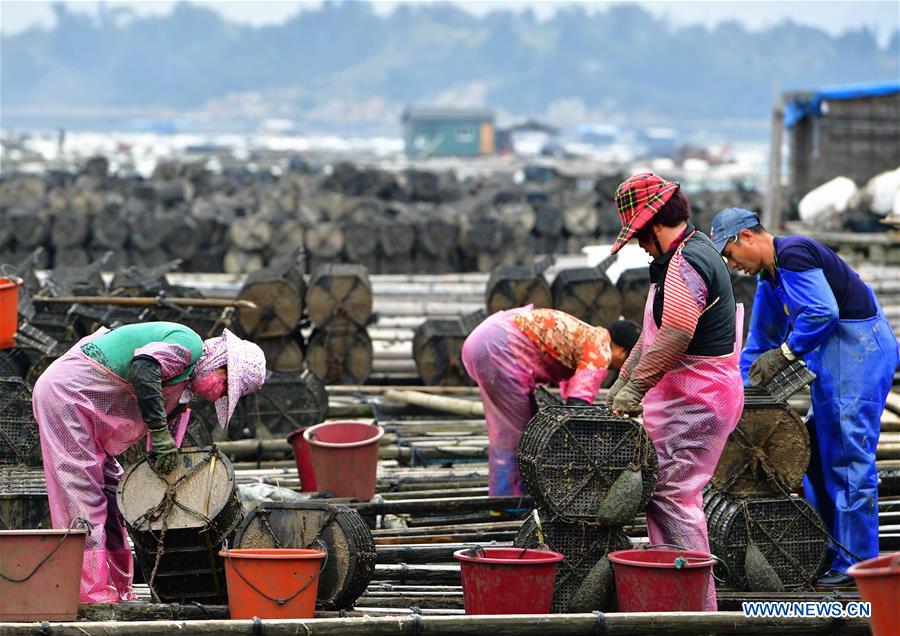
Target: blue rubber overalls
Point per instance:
(854, 361)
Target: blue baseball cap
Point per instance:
(728, 223)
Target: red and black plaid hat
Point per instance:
(638, 199)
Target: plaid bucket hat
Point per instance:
(637, 200)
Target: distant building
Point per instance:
(448, 132)
(659, 142)
(529, 137)
(598, 134)
(850, 131)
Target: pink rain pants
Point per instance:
(85, 415)
(508, 365)
(689, 415)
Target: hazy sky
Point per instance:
(832, 16)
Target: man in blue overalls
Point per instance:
(809, 304)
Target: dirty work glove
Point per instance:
(614, 389)
(164, 454)
(628, 401)
(574, 401)
(767, 366)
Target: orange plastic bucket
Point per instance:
(9, 311)
(878, 582)
(272, 583)
(41, 574)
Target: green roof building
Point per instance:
(448, 132)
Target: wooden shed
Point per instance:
(851, 131)
(448, 132)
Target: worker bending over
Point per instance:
(809, 304)
(105, 394)
(513, 351)
(683, 374)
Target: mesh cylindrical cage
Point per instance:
(788, 532)
(570, 456)
(339, 530)
(288, 400)
(23, 499)
(20, 442)
(178, 524)
(767, 453)
(581, 544)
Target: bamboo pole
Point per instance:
(441, 505)
(441, 403)
(893, 402)
(420, 601)
(424, 554)
(658, 624)
(143, 301)
(423, 530)
(772, 210)
(432, 494)
(402, 572)
(469, 538)
(887, 451)
(354, 389)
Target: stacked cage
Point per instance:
(590, 472)
(770, 538)
(178, 524)
(23, 491)
(338, 530)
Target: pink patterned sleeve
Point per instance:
(173, 359)
(584, 384)
(685, 296)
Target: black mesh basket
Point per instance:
(582, 545)
(339, 530)
(788, 531)
(182, 564)
(570, 456)
(23, 499)
(795, 377)
(20, 443)
(288, 400)
(767, 453)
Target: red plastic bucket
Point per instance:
(40, 590)
(652, 581)
(303, 458)
(507, 580)
(272, 583)
(878, 582)
(345, 457)
(9, 311)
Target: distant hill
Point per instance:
(343, 65)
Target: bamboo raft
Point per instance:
(432, 499)
(424, 511)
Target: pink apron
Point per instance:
(85, 415)
(689, 415)
(508, 366)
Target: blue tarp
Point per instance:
(797, 110)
